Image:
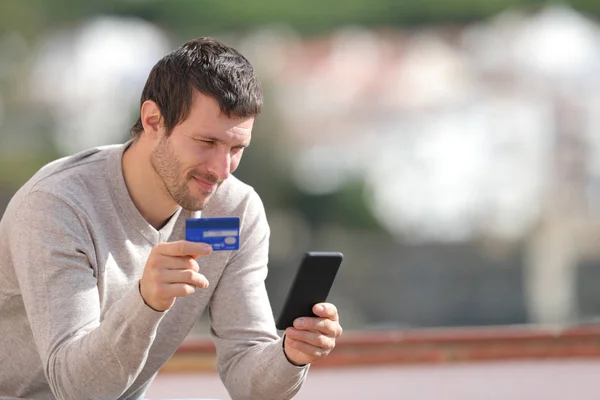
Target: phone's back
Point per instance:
(311, 285)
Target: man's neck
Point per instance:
(144, 185)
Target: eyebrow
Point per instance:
(215, 139)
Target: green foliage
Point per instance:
(314, 16)
(18, 167)
(346, 207)
(190, 18)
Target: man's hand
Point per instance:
(172, 271)
(311, 339)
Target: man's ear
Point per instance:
(152, 120)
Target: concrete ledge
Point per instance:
(423, 346)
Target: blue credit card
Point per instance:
(220, 233)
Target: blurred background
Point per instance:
(450, 149)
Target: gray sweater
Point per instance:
(72, 322)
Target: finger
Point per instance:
(170, 262)
(309, 343)
(310, 352)
(322, 325)
(171, 290)
(187, 276)
(317, 340)
(184, 248)
(326, 310)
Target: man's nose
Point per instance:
(220, 164)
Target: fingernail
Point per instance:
(300, 323)
(320, 308)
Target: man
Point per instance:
(98, 287)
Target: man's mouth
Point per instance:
(206, 185)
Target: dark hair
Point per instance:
(212, 68)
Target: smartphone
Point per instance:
(311, 285)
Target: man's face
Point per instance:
(200, 153)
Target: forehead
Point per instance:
(206, 118)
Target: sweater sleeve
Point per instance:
(250, 356)
(83, 357)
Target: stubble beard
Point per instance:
(174, 184)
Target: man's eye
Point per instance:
(207, 142)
